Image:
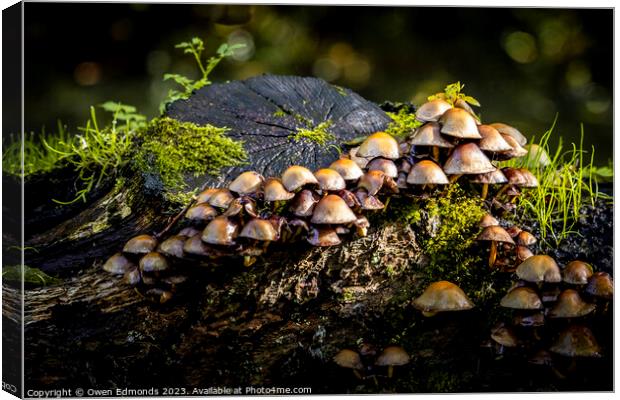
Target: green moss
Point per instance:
(403, 124)
(319, 134)
(341, 91)
(279, 113)
(173, 149)
(31, 275)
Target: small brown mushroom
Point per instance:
(259, 229)
(205, 195)
(247, 183)
(368, 202)
(221, 231)
(429, 135)
(195, 246)
(350, 359)
(372, 181)
(488, 220)
(221, 198)
(392, 356)
(467, 159)
(494, 234)
(529, 320)
(296, 177)
(522, 298)
(118, 264)
(153, 262)
(332, 210)
(388, 167)
(523, 253)
(323, 237)
(492, 140)
(459, 123)
(360, 161)
(303, 203)
(537, 156)
(173, 246)
(379, 144)
(133, 276)
(510, 131)
(525, 238)
(330, 179)
(201, 212)
(440, 297)
(274, 190)
(347, 168)
(504, 335)
(432, 110)
(516, 152)
(140, 244)
(490, 178)
(539, 268)
(570, 305)
(601, 285)
(241, 206)
(577, 272)
(576, 341)
(349, 198)
(427, 173)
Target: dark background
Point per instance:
(523, 65)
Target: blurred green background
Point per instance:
(524, 65)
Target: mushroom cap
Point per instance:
(539, 268)
(520, 177)
(601, 285)
(524, 238)
(460, 103)
(132, 277)
(488, 220)
(140, 244)
(576, 341)
(259, 229)
(221, 230)
(360, 161)
(491, 178)
(247, 183)
(443, 296)
(189, 231)
(459, 123)
(205, 195)
(429, 135)
(332, 209)
(534, 319)
(303, 203)
(221, 198)
(504, 335)
(201, 212)
(492, 140)
(467, 159)
(523, 253)
(173, 246)
(297, 176)
(522, 298)
(349, 198)
(537, 156)
(577, 272)
(372, 181)
(244, 204)
(510, 131)
(153, 262)
(432, 110)
(194, 245)
(368, 202)
(426, 172)
(379, 144)
(118, 264)
(513, 231)
(347, 168)
(495, 233)
(323, 237)
(330, 179)
(348, 359)
(392, 356)
(516, 151)
(274, 190)
(388, 167)
(570, 305)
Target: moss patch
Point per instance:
(172, 150)
(319, 134)
(34, 276)
(403, 123)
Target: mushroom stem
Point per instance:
(248, 261)
(502, 190)
(429, 313)
(454, 178)
(390, 371)
(492, 253)
(485, 191)
(436, 153)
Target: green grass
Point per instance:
(566, 185)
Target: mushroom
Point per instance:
(274, 190)
(153, 262)
(221, 231)
(522, 298)
(195, 246)
(260, 230)
(159, 295)
(140, 244)
(347, 168)
(576, 341)
(189, 231)
(323, 237)
(520, 177)
(368, 202)
(601, 285)
(570, 305)
(173, 246)
(360, 161)
(349, 198)
(429, 135)
(539, 268)
(460, 103)
(379, 144)
(442, 296)
(247, 183)
(494, 234)
(221, 198)
(577, 273)
(361, 224)
(132, 276)
(488, 220)
(537, 156)
(513, 231)
(504, 335)
(490, 178)
(330, 179)
(118, 264)
(201, 212)
(332, 210)
(523, 253)
(530, 320)
(392, 356)
(297, 176)
(388, 167)
(492, 140)
(426, 172)
(205, 195)
(349, 359)
(510, 131)
(515, 152)
(432, 110)
(303, 203)
(467, 159)
(372, 181)
(459, 123)
(244, 205)
(524, 238)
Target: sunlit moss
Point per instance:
(30, 275)
(403, 124)
(320, 134)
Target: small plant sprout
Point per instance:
(452, 93)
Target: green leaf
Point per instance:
(471, 100)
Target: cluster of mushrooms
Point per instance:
(362, 365)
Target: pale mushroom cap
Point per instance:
(520, 177)
(201, 212)
(388, 167)
(513, 231)
(259, 229)
(510, 131)
(372, 181)
(443, 296)
(347, 168)
(601, 285)
(153, 262)
(492, 140)
(495, 233)
(247, 183)
(140, 244)
(360, 161)
(570, 305)
(194, 245)
(323, 237)
(379, 144)
(220, 230)
(297, 176)
(118, 264)
(460, 103)
(488, 220)
(221, 198)
(522, 298)
(468, 159)
(173, 246)
(205, 195)
(517, 150)
(576, 341)
(275, 191)
(537, 156)
(330, 179)
(577, 272)
(539, 268)
(392, 356)
(426, 172)
(523, 253)
(332, 209)
(303, 203)
(432, 110)
(348, 359)
(429, 135)
(491, 178)
(189, 231)
(524, 238)
(459, 123)
(504, 335)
